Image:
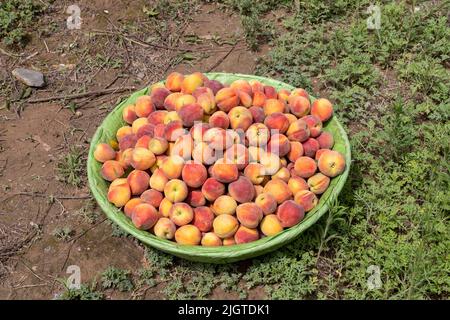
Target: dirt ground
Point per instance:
(34, 137)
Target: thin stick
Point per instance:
(43, 195)
(222, 59)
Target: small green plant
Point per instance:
(64, 233)
(114, 278)
(85, 292)
(89, 211)
(71, 167)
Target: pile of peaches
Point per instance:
(206, 163)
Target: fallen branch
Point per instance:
(221, 59)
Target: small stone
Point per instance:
(29, 77)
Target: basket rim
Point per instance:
(221, 254)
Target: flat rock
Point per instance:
(29, 77)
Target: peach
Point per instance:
(271, 162)
(111, 170)
(319, 153)
(219, 119)
(194, 174)
(257, 135)
(145, 130)
(236, 136)
(165, 228)
(249, 214)
(226, 99)
(190, 114)
(192, 82)
(203, 153)
(256, 85)
(139, 122)
(174, 81)
(297, 184)
(291, 118)
(210, 239)
(271, 225)
(171, 99)
(172, 166)
(129, 114)
(142, 142)
(298, 131)
(119, 195)
(224, 171)
(314, 125)
(104, 152)
(270, 92)
(331, 163)
(181, 213)
(117, 182)
(245, 99)
(164, 207)
(322, 108)
(255, 172)
(255, 153)
(306, 199)
(224, 205)
(123, 131)
(284, 94)
(175, 190)
(257, 114)
(202, 90)
(237, 154)
(218, 138)
(310, 147)
(158, 180)
(144, 106)
(158, 146)
(130, 205)
(198, 131)
(277, 121)
(159, 130)
(182, 147)
(290, 213)
(279, 145)
(296, 151)
(207, 102)
(156, 85)
(158, 96)
(258, 190)
(159, 161)
(212, 189)
(152, 197)
(240, 118)
(242, 190)
(245, 235)
(171, 116)
(325, 140)
(305, 167)
(138, 181)
(225, 225)
(259, 99)
(300, 92)
(242, 85)
(203, 219)
(214, 85)
(157, 117)
(188, 235)
(273, 105)
(318, 183)
(278, 189)
(196, 198)
(299, 105)
(142, 159)
(282, 174)
(228, 241)
(266, 202)
(173, 130)
(144, 216)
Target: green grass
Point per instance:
(71, 167)
(114, 278)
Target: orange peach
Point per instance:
(245, 235)
(298, 131)
(158, 96)
(191, 114)
(152, 197)
(201, 91)
(188, 235)
(212, 189)
(225, 225)
(224, 171)
(142, 159)
(142, 142)
(296, 151)
(192, 82)
(256, 85)
(278, 189)
(271, 225)
(218, 138)
(138, 123)
(255, 172)
(219, 119)
(165, 228)
(259, 99)
(228, 241)
(172, 166)
(325, 140)
(144, 106)
(175, 190)
(258, 135)
(271, 162)
(291, 118)
(314, 125)
(104, 152)
(196, 198)
(270, 92)
(266, 202)
(224, 205)
(305, 167)
(240, 118)
(214, 85)
(207, 102)
(279, 145)
(173, 130)
(319, 153)
(129, 114)
(174, 81)
(182, 147)
(158, 180)
(257, 114)
(111, 170)
(194, 174)
(184, 100)
(119, 195)
(158, 146)
(245, 99)
(300, 92)
(237, 154)
(290, 213)
(203, 153)
(203, 218)
(284, 94)
(157, 117)
(310, 147)
(138, 181)
(181, 213)
(164, 207)
(318, 183)
(170, 101)
(299, 105)
(210, 239)
(242, 85)
(158, 131)
(144, 216)
(226, 99)
(282, 174)
(273, 105)
(331, 163)
(277, 121)
(306, 199)
(130, 205)
(297, 184)
(249, 214)
(123, 131)
(322, 108)
(242, 190)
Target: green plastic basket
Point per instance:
(225, 254)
